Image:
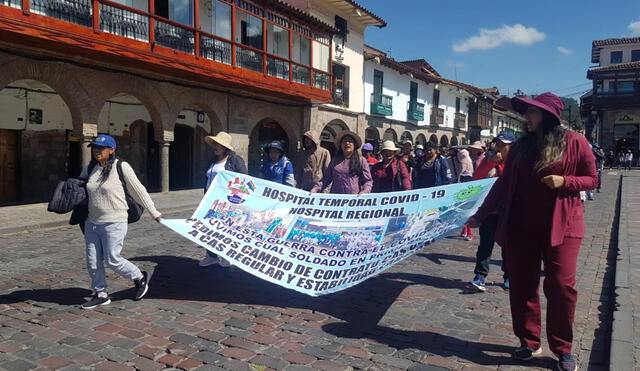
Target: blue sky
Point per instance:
(534, 46)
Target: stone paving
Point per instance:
(419, 315)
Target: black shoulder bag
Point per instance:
(135, 209)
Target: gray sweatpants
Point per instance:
(104, 243)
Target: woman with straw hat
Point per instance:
(223, 159)
(391, 174)
(348, 172)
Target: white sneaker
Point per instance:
(208, 261)
(224, 262)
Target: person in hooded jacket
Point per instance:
(278, 168)
(224, 158)
(311, 163)
(542, 221)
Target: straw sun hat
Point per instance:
(222, 138)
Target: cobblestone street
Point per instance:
(420, 315)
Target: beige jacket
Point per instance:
(311, 164)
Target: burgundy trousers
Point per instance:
(523, 263)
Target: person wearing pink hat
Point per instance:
(542, 221)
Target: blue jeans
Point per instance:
(104, 243)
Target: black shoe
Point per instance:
(95, 301)
(526, 354)
(141, 286)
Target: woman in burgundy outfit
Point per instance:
(542, 221)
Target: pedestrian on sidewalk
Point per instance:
(278, 168)
(542, 221)
(348, 172)
(628, 160)
(391, 174)
(224, 158)
(432, 169)
(598, 153)
(106, 224)
(491, 167)
(311, 163)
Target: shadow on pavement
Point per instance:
(66, 296)
(437, 258)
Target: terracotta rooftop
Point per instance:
(421, 64)
(361, 11)
(614, 67)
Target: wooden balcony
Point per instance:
(437, 116)
(460, 121)
(381, 104)
(118, 35)
(415, 111)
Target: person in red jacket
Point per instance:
(488, 167)
(391, 174)
(541, 220)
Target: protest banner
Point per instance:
(322, 243)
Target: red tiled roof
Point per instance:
(400, 67)
(369, 12)
(421, 64)
(618, 41)
(284, 6)
(614, 67)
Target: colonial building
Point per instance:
(612, 108)
(505, 118)
(347, 108)
(158, 76)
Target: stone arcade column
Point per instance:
(167, 139)
(88, 133)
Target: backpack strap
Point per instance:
(121, 176)
(90, 169)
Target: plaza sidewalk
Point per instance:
(15, 219)
(418, 315)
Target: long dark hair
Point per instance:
(355, 164)
(108, 166)
(552, 147)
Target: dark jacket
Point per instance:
(442, 173)
(68, 194)
(234, 163)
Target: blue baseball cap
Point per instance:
(506, 137)
(103, 140)
(367, 147)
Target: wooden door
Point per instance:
(9, 164)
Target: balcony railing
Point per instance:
(123, 22)
(381, 104)
(74, 11)
(437, 116)
(106, 16)
(277, 67)
(415, 111)
(215, 50)
(460, 121)
(321, 80)
(12, 3)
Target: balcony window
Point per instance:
(320, 56)
(215, 18)
(635, 55)
(436, 98)
(248, 30)
(277, 41)
(301, 49)
(616, 57)
(622, 86)
(457, 104)
(181, 11)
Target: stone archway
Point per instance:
(433, 139)
(391, 135)
(444, 141)
(37, 146)
(421, 139)
(454, 141)
(372, 135)
(329, 134)
(263, 133)
(406, 136)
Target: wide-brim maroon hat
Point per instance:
(546, 101)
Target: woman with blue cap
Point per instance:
(278, 168)
(106, 225)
